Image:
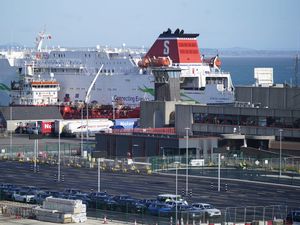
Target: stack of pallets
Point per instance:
(59, 210)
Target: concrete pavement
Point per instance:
(14, 221)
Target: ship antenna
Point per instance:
(39, 39)
(297, 60)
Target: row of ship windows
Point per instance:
(80, 62)
(59, 55)
(40, 86)
(100, 89)
(63, 55)
(111, 63)
(108, 71)
(72, 70)
(45, 93)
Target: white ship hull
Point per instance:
(7, 74)
(121, 79)
(124, 89)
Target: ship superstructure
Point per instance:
(122, 80)
(34, 91)
(201, 79)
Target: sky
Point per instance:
(255, 24)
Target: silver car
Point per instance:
(23, 196)
(209, 209)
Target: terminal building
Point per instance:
(263, 117)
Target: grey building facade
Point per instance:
(145, 145)
(12, 117)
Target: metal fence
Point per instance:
(254, 213)
(250, 214)
(266, 170)
(45, 150)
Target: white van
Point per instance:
(165, 198)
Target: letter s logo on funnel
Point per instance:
(166, 48)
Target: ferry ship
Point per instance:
(124, 79)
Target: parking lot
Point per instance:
(234, 195)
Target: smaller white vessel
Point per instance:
(33, 91)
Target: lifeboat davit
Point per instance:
(217, 62)
(214, 62)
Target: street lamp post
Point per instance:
(81, 132)
(10, 136)
(98, 160)
(87, 121)
(58, 168)
(113, 105)
(187, 161)
(219, 172)
(280, 151)
(176, 190)
(163, 152)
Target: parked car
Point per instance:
(187, 211)
(171, 198)
(94, 195)
(7, 193)
(128, 204)
(104, 202)
(148, 202)
(6, 186)
(71, 191)
(159, 209)
(24, 196)
(208, 209)
(41, 196)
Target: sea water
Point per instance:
(242, 69)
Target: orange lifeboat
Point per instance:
(160, 61)
(144, 63)
(155, 62)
